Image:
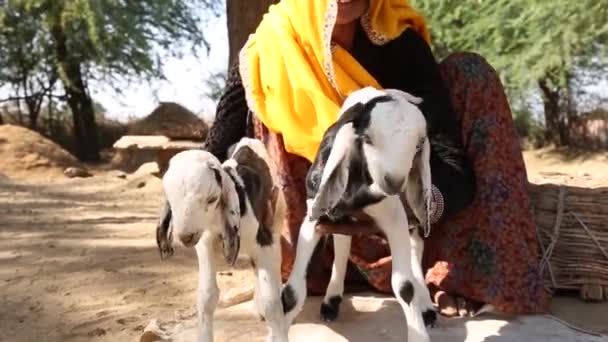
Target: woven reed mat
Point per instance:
(572, 228)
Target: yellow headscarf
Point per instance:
(294, 82)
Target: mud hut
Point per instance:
(173, 121)
(169, 129)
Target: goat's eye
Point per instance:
(366, 139)
(212, 200)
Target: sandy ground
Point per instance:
(78, 260)
(571, 167)
(368, 317)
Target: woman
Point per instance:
(295, 71)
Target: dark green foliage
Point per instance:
(535, 45)
(524, 39)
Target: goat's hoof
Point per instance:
(429, 317)
(331, 310)
(166, 252)
(261, 317)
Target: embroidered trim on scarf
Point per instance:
(334, 46)
(373, 35)
(331, 14)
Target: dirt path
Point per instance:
(78, 260)
(571, 167)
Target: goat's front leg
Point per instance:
(391, 218)
(294, 292)
(268, 289)
(429, 314)
(330, 308)
(208, 292)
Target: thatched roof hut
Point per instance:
(171, 120)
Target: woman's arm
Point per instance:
(230, 123)
(452, 173)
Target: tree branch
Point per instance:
(12, 99)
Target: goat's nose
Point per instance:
(189, 240)
(394, 185)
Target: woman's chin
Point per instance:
(350, 10)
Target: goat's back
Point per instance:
(258, 173)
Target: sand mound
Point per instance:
(171, 120)
(24, 152)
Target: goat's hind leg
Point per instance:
(208, 292)
(268, 290)
(330, 308)
(390, 217)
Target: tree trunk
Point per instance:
(570, 110)
(50, 120)
(79, 100)
(33, 111)
(551, 99)
(30, 101)
(243, 17)
(34, 105)
(83, 122)
(19, 112)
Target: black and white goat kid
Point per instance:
(377, 149)
(235, 206)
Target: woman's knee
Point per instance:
(466, 57)
(469, 63)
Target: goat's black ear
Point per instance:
(164, 234)
(232, 215)
(418, 190)
(335, 174)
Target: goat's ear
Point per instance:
(231, 211)
(404, 95)
(335, 174)
(418, 190)
(164, 233)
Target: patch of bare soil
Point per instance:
(25, 153)
(78, 260)
(567, 166)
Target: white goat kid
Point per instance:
(377, 149)
(235, 204)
